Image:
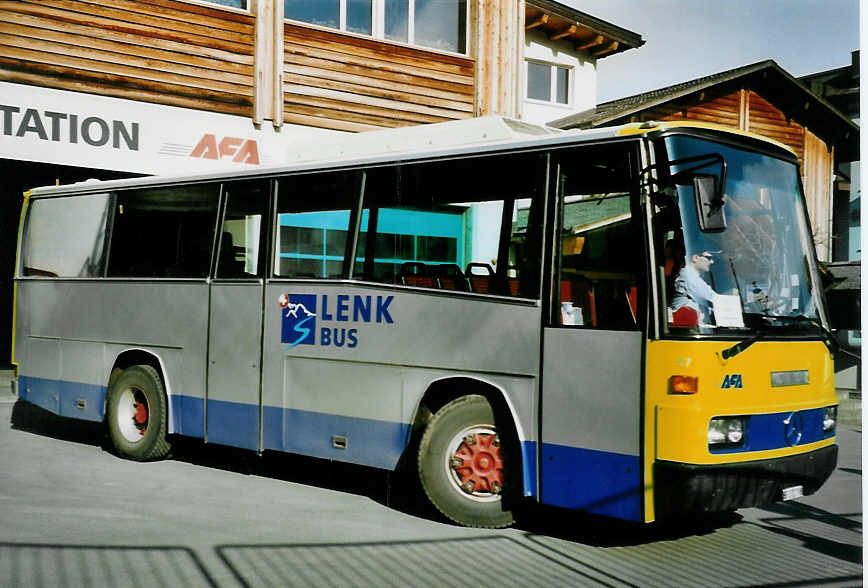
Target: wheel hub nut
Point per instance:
(477, 464)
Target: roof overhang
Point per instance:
(587, 33)
(766, 78)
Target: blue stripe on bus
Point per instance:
(64, 397)
(370, 442)
(233, 423)
(768, 431)
(528, 456)
(597, 482)
(188, 416)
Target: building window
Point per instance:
(440, 24)
(436, 24)
(325, 13)
(242, 4)
(547, 82)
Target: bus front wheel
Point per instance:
(136, 414)
(461, 463)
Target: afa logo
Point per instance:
(240, 150)
(299, 319)
(732, 381)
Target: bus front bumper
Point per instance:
(682, 488)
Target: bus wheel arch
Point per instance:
(469, 458)
(136, 409)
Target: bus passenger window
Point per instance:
(435, 224)
(313, 222)
(65, 237)
(164, 232)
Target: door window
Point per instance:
(600, 248)
(244, 227)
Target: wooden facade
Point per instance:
(253, 64)
(746, 110)
(352, 83)
(161, 51)
(256, 64)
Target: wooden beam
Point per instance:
(540, 21)
(564, 33)
(598, 40)
(607, 49)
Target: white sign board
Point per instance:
(85, 130)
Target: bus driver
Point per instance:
(690, 287)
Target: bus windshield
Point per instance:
(737, 258)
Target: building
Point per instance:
(113, 88)
(840, 87)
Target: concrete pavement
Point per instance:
(75, 515)
(6, 394)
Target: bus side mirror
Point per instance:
(709, 203)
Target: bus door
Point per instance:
(235, 321)
(592, 340)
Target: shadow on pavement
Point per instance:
(600, 531)
(393, 489)
(37, 564)
(460, 562)
(32, 419)
(818, 530)
(398, 490)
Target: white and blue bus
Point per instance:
(509, 314)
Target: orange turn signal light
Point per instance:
(683, 384)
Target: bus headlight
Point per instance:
(726, 431)
(830, 418)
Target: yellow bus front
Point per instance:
(740, 406)
(725, 434)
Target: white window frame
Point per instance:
(216, 4)
(553, 82)
(378, 25)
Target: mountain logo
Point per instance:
(299, 319)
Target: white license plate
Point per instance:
(793, 492)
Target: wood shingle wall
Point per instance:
(160, 51)
(198, 56)
(350, 83)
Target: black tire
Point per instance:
(136, 414)
(476, 504)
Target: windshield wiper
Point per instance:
(741, 345)
(829, 339)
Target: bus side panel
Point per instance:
(70, 332)
(355, 363)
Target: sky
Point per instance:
(688, 39)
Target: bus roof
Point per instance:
(461, 137)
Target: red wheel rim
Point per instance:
(477, 464)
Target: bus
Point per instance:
(627, 321)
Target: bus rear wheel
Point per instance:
(461, 464)
(136, 414)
